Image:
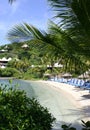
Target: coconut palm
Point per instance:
(74, 16)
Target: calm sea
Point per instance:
(20, 84)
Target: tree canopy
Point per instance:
(68, 39)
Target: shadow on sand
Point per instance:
(58, 125)
(82, 114)
(87, 96)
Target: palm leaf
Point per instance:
(24, 32)
(72, 13)
(28, 32)
(67, 39)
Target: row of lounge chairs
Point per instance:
(73, 81)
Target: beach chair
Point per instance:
(84, 85)
(71, 82)
(75, 83)
(80, 83)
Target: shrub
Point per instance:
(36, 72)
(18, 112)
(9, 72)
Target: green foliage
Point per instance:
(18, 112)
(57, 45)
(69, 40)
(20, 65)
(70, 18)
(34, 73)
(9, 72)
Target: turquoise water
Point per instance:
(57, 103)
(20, 84)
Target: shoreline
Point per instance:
(67, 103)
(80, 98)
(8, 78)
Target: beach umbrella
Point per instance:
(67, 75)
(47, 74)
(85, 76)
(81, 76)
(58, 65)
(25, 46)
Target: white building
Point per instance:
(4, 61)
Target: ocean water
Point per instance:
(19, 84)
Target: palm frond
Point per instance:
(24, 32)
(81, 9)
(63, 12)
(72, 13)
(66, 39)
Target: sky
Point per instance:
(34, 12)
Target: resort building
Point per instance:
(4, 61)
(25, 46)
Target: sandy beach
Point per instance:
(79, 97)
(77, 93)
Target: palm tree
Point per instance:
(74, 17)
(55, 43)
(72, 13)
(64, 40)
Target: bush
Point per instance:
(36, 72)
(9, 72)
(18, 112)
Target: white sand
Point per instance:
(79, 97)
(67, 103)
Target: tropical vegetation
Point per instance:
(67, 41)
(19, 112)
